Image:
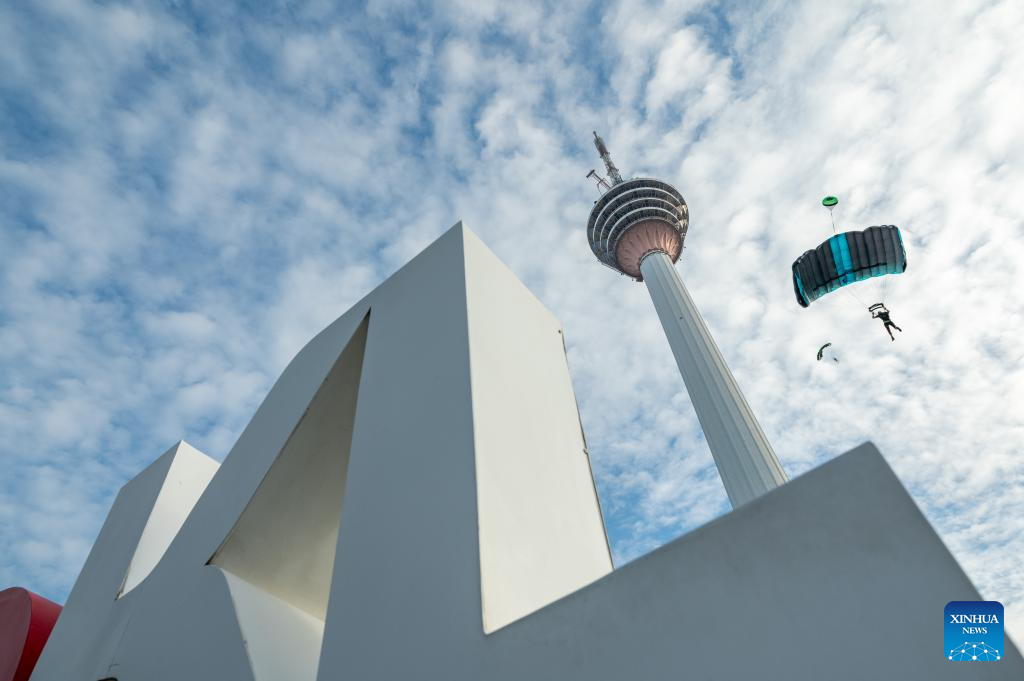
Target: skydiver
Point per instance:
(879, 311)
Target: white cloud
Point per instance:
(186, 199)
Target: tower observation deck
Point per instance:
(637, 228)
(634, 218)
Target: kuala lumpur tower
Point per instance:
(637, 228)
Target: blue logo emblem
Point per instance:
(974, 631)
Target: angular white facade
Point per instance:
(413, 500)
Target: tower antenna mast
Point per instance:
(613, 172)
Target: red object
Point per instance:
(26, 621)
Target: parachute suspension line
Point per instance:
(831, 202)
(854, 295)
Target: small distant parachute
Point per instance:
(848, 258)
(826, 352)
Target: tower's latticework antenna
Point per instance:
(602, 184)
(613, 172)
(637, 227)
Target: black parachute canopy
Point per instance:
(847, 258)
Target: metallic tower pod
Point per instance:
(637, 228)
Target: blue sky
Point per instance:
(189, 191)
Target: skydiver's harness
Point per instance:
(879, 311)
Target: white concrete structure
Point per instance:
(413, 500)
(190, 471)
(637, 228)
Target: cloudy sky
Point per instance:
(190, 190)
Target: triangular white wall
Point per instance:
(189, 474)
(281, 641)
(541, 533)
(285, 539)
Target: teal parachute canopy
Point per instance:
(848, 258)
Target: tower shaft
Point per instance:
(745, 459)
